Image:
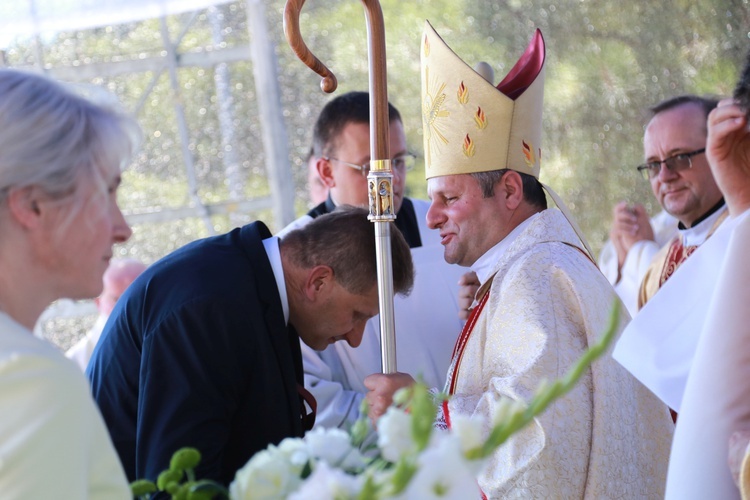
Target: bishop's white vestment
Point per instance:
(609, 437)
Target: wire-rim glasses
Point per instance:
(402, 163)
(676, 163)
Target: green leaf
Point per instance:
(306, 470)
(167, 477)
(142, 487)
(405, 470)
(206, 489)
(185, 459)
(182, 492)
(369, 490)
(423, 413)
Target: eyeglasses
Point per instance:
(402, 163)
(674, 163)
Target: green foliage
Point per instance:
(185, 459)
(166, 477)
(423, 406)
(181, 466)
(142, 488)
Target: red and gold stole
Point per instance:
(458, 351)
(677, 254)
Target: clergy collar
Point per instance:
(485, 265)
(329, 204)
(703, 217)
(406, 219)
(274, 257)
(702, 229)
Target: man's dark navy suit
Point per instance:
(197, 353)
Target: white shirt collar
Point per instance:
(274, 257)
(485, 265)
(698, 234)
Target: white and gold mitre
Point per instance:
(472, 126)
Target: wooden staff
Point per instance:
(380, 178)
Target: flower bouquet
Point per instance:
(412, 459)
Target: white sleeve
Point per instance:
(325, 378)
(716, 399)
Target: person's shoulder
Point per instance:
(42, 370)
(550, 257)
(214, 265)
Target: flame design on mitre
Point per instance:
(504, 122)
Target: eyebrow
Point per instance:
(672, 152)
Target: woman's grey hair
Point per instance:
(50, 137)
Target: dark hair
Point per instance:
(352, 107)
(345, 241)
(707, 103)
(533, 192)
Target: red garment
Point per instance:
(675, 257)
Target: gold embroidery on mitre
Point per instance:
(468, 146)
(480, 119)
(462, 93)
(432, 111)
(426, 46)
(528, 154)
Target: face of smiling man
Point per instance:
(690, 193)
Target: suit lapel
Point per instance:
(284, 340)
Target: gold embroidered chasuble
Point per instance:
(608, 438)
(668, 259)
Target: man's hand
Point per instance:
(641, 230)
(382, 387)
(630, 225)
(468, 285)
(728, 153)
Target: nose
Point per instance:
(121, 231)
(354, 337)
(434, 216)
(665, 173)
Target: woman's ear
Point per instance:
(24, 205)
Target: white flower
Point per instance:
(469, 429)
(334, 446)
(268, 475)
(394, 434)
(326, 483)
(444, 473)
(295, 450)
(505, 409)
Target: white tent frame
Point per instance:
(80, 14)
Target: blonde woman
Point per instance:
(60, 161)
